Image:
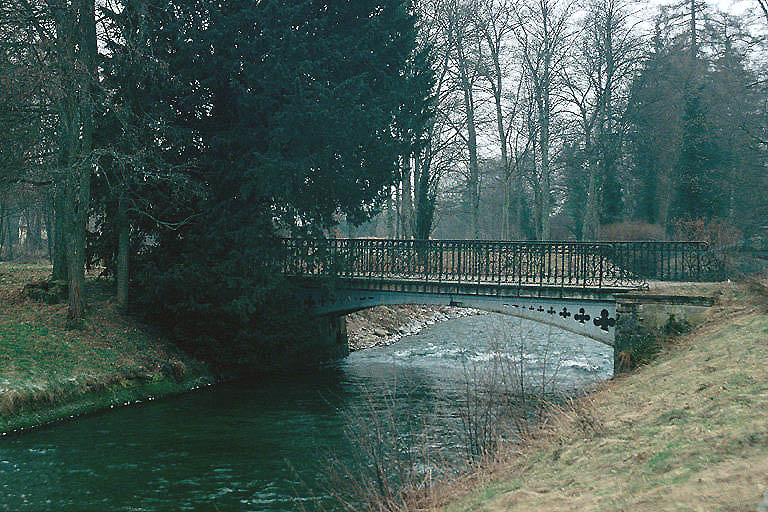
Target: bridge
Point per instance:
(571, 285)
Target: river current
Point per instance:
(263, 445)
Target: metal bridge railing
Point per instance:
(548, 263)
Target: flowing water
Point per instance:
(264, 444)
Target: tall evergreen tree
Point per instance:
(280, 116)
(698, 191)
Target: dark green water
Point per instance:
(262, 445)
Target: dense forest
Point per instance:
(170, 143)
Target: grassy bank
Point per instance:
(687, 432)
(48, 372)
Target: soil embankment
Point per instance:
(689, 431)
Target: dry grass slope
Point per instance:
(688, 432)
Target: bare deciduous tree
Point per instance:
(596, 84)
(544, 35)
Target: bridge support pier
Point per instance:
(640, 317)
(306, 342)
(332, 342)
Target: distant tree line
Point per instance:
(604, 119)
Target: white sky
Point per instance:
(730, 6)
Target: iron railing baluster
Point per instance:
(579, 264)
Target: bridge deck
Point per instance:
(466, 287)
(570, 285)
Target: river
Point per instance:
(264, 444)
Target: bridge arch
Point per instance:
(570, 285)
(593, 317)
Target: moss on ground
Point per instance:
(687, 432)
(48, 372)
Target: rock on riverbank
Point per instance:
(384, 325)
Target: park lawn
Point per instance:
(45, 367)
(687, 432)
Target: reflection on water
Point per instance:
(258, 445)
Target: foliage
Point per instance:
(699, 189)
(278, 129)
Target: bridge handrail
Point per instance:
(598, 264)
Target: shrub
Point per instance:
(637, 344)
(720, 233)
(632, 230)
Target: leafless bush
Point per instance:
(571, 415)
(396, 454)
(720, 233)
(632, 231)
(505, 395)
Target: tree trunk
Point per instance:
(474, 169)
(694, 43)
(78, 203)
(49, 228)
(546, 186)
(59, 255)
(473, 183)
(506, 216)
(2, 228)
(545, 112)
(590, 221)
(78, 194)
(123, 251)
(407, 199)
(425, 202)
(37, 231)
(390, 215)
(398, 211)
(13, 222)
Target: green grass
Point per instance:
(48, 371)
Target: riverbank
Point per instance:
(689, 431)
(49, 373)
(384, 325)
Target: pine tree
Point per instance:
(699, 191)
(276, 117)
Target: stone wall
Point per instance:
(644, 321)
